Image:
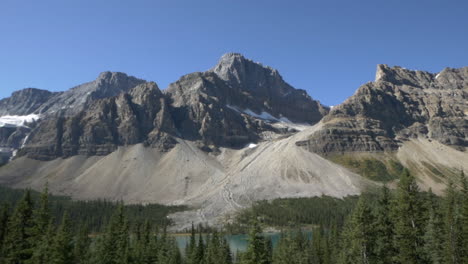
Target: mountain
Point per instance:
(238, 102)
(24, 102)
(400, 104)
(220, 139)
(402, 110)
(76, 99)
(20, 113)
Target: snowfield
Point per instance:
(17, 121)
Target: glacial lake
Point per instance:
(236, 242)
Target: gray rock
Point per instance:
(24, 102)
(400, 104)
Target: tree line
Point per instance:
(95, 214)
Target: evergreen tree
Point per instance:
(213, 250)
(45, 247)
(18, 247)
(409, 221)
(226, 256)
(269, 250)
(317, 243)
(113, 246)
(464, 217)
(360, 235)
(168, 251)
(81, 245)
(433, 238)
(282, 254)
(62, 249)
(452, 226)
(4, 216)
(42, 215)
(200, 252)
(191, 248)
(255, 253)
(384, 228)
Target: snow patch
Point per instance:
(282, 122)
(252, 145)
(262, 115)
(17, 121)
(437, 76)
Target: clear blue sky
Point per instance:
(328, 48)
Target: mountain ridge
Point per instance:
(220, 139)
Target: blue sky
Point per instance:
(328, 48)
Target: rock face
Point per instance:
(53, 109)
(400, 104)
(236, 101)
(140, 115)
(24, 102)
(76, 99)
(262, 89)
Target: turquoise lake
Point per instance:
(236, 242)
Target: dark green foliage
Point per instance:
(463, 200)
(81, 247)
(453, 228)
(384, 228)
(325, 211)
(4, 216)
(256, 251)
(433, 238)
(113, 247)
(44, 249)
(359, 236)
(409, 221)
(95, 214)
(18, 246)
(62, 247)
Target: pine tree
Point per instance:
(62, 249)
(282, 255)
(433, 238)
(464, 217)
(360, 235)
(113, 247)
(200, 252)
(81, 245)
(4, 216)
(214, 250)
(409, 221)
(317, 250)
(384, 227)
(18, 246)
(44, 248)
(255, 253)
(168, 250)
(191, 248)
(452, 226)
(226, 256)
(42, 215)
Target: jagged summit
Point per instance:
(234, 67)
(448, 78)
(214, 104)
(401, 104)
(24, 102)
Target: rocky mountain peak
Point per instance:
(107, 84)
(24, 102)
(401, 76)
(234, 67)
